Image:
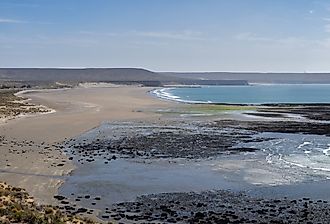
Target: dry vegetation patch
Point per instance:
(12, 105)
(16, 206)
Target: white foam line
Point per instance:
(303, 166)
(304, 144)
(164, 94)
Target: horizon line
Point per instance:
(169, 71)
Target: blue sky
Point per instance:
(167, 35)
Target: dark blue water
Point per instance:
(253, 94)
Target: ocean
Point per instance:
(252, 94)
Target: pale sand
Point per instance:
(77, 110)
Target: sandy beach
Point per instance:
(113, 135)
(31, 158)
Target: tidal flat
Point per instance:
(151, 172)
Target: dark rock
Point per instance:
(81, 210)
(59, 197)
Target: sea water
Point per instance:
(250, 94)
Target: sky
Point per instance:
(167, 35)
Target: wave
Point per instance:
(165, 93)
(311, 165)
(300, 154)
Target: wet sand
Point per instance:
(30, 156)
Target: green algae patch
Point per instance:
(205, 109)
(219, 108)
(211, 109)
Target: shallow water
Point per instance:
(252, 94)
(287, 165)
(125, 179)
(308, 153)
(317, 190)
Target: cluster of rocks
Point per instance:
(192, 143)
(214, 207)
(24, 147)
(67, 206)
(316, 128)
(320, 112)
(204, 141)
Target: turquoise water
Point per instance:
(253, 94)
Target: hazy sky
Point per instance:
(167, 35)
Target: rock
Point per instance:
(59, 197)
(81, 210)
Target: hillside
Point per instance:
(45, 76)
(49, 76)
(85, 75)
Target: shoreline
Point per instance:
(69, 120)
